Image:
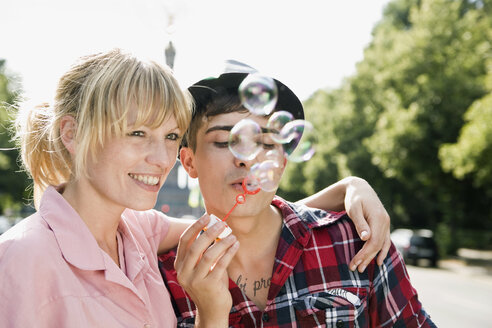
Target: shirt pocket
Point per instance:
(338, 307)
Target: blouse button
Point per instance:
(339, 324)
(265, 317)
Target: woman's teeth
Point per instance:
(147, 179)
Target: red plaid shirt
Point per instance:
(312, 285)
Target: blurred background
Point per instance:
(400, 93)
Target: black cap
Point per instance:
(227, 83)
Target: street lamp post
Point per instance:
(170, 53)
(175, 200)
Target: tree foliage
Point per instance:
(471, 155)
(13, 182)
(416, 118)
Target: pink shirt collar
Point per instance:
(76, 242)
(78, 245)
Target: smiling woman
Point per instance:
(98, 156)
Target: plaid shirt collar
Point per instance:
(300, 220)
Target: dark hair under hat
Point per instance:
(206, 90)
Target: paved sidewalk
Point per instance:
(470, 262)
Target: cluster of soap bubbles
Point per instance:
(287, 138)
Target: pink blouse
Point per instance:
(53, 273)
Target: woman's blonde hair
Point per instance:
(97, 91)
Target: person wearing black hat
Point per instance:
(219, 95)
(284, 263)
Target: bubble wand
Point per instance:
(240, 199)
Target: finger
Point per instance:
(189, 236)
(355, 262)
(384, 251)
(365, 255)
(361, 261)
(380, 222)
(368, 257)
(360, 222)
(191, 248)
(198, 248)
(213, 255)
(220, 268)
(376, 244)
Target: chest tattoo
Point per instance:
(257, 285)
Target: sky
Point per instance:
(308, 45)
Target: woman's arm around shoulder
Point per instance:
(176, 228)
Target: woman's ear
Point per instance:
(187, 157)
(68, 129)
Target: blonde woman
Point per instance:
(98, 158)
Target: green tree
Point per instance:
(471, 155)
(13, 182)
(396, 119)
(431, 70)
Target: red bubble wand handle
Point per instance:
(241, 198)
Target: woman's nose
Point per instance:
(162, 154)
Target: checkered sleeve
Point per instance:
(393, 300)
(184, 308)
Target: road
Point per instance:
(454, 298)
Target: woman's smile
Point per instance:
(150, 180)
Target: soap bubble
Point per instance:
(258, 94)
(275, 155)
(302, 139)
(243, 139)
(268, 174)
(276, 122)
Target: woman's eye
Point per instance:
(172, 136)
(268, 146)
(137, 134)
